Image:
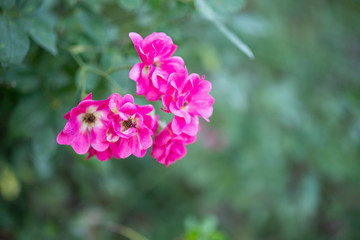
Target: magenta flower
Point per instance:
(117, 127)
(151, 75)
(169, 147)
(188, 97)
(131, 127)
(89, 116)
(102, 156)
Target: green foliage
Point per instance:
(207, 10)
(279, 159)
(14, 42)
(130, 4)
(42, 32)
(203, 230)
(31, 18)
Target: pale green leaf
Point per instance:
(235, 39)
(205, 9)
(227, 6)
(9, 184)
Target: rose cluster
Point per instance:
(118, 127)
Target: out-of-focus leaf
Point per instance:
(203, 230)
(235, 39)
(28, 117)
(227, 6)
(44, 145)
(58, 79)
(42, 32)
(83, 76)
(111, 58)
(29, 6)
(209, 57)
(9, 184)
(7, 4)
(14, 42)
(130, 4)
(204, 8)
(95, 27)
(22, 78)
(309, 197)
(250, 24)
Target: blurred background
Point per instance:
(279, 159)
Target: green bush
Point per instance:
(279, 159)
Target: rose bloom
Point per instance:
(157, 63)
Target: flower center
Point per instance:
(89, 118)
(156, 64)
(125, 125)
(185, 104)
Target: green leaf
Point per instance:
(235, 39)
(130, 4)
(227, 6)
(95, 27)
(23, 78)
(7, 4)
(9, 184)
(29, 6)
(44, 146)
(29, 116)
(205, 9)
(14, 42)
(42, 32)
(83, 76)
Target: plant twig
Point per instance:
(112, 70)
(107, 77)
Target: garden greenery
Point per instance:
(279, 158)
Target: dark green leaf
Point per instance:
(29, 6)
(14, 42)
(93, 26)
(22, 78)
(44, 145)
(7, 4)
(28, 117)
(42, 33)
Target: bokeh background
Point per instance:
(279, 159)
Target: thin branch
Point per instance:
(77, 58)
(112, 70)
(107, 77)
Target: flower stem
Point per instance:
(83, 71)
(106, 75)
(112, 70)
